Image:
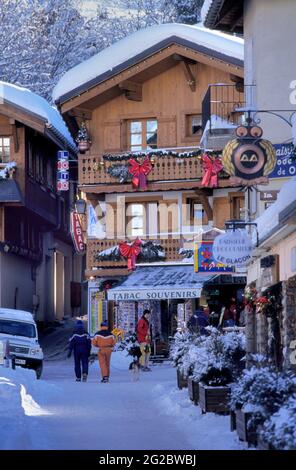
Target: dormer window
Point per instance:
(143, 134)
(4, 149)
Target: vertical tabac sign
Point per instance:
(77, 233)
(63, 170)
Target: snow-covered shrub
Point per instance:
(184, 351)
(129, 344)
(262, 392)
(217, 377)
(234, 351)
(280, 429)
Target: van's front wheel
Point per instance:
(38, 372)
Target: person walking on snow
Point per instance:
(105, 341)
(80, 343)
(143, 337)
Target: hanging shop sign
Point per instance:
(248, 159)
(77, 232)
(233, 248)
(204, 261)
(268, 195)
(285, 161)
(63, 170)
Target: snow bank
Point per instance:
(270, 217)
(140, 41)
(204, 432)
(29, 101)
(20, 393)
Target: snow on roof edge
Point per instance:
(110, 58)
(30, 102)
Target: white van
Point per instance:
(19, 328)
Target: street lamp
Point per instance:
(80, 206)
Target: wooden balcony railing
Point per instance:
(171, 247)
(93, 169)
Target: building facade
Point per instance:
(144, 176)
(38, 266)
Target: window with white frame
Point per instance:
(143, 134)
(4, 149)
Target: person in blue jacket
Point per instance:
(80, 343)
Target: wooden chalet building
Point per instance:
(38, 266)
(147, 102)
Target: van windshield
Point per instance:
(16, 328)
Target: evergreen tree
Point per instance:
(187, 11)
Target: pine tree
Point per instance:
(187, 11)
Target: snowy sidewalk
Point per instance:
(149, 414)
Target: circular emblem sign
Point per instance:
(233, 248)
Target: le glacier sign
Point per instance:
(233, 248)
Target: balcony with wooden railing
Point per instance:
(182, 169)
(97, 267)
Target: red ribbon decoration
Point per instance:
(211, 168)
(130, 251)
(139, 171)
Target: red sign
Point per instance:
(63, 185)
(77, 233)
(63, 165)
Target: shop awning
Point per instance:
(160, 283)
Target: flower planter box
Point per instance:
(182, 381)
(193, 390)
(245, 433)
(214, 399)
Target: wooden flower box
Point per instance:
(245, 433)
(214, 399)
(182, 381)
(193, 390)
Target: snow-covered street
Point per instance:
(60, 413)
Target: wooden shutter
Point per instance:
(167, 132)
(221, 210)
(112, 136)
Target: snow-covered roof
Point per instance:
(140, 44)
(34, 104)
(269, 220)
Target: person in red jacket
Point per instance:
(143, 337)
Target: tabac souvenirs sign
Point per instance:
(204, 261)
(248, 159)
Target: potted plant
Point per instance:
(259, 393)
(214, 390)
(83, 140)
(178, 351)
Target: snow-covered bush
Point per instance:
(234, 351)
(129, 344)
(184, 350)
(280, 429)
(198, 355)
(262, 392)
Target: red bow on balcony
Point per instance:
(211, 169)
(130, 251)
(139, 171)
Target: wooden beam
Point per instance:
(15, 138)
(206, 205)
(82, 113)
(132, 90)
(155, 186)
(107, 272)
(191, 82)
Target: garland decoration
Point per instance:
(150, 252)
(212, 165)
(139, 171)
(156, 153)
(121, 172)
(262, 304)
